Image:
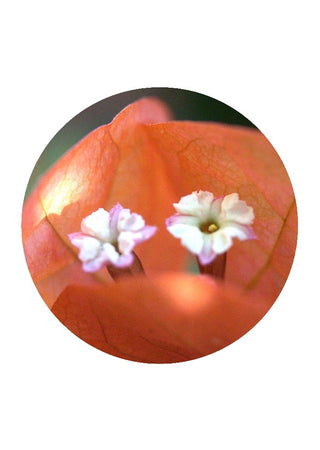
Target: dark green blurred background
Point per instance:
(185, 105)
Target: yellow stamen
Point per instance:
(213, 227)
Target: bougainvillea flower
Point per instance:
(146, 162)
(206, 225)
(109, 238)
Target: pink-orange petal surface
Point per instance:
(168, 318)
(147, 163)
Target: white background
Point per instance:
(260, 58)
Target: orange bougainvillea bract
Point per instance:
(147, 162)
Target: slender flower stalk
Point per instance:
(108, 239)
(135, 268)
(216, 268)
(207, 225)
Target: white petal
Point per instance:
(234, 229)
(103, 233)
(124, 260)
(109, 253)
(221, 241)
(215, 209)
(97, 225)
(191, 237)
(195, 204)
(93, 265)
(89, 247)
(127, 240)
(205, 200)
(105, 254)
(128, 221)
(233, 209)
(188, 204)
(77, 238)
(184, 219)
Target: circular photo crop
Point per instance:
(159, 225)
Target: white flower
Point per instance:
(109, 238)
(206, 225)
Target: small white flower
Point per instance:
(109, 238)
(206, 225)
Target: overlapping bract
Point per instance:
(145, 162)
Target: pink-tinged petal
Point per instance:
(105, 233)
(236, 210)
(94, 265)
(179, 229)
(97, 225)
(108, 255)
(184, 219)
(127, 240)
(130, 221)
(124, 261)
(88, 246)
(105, 255)
(242, 232)
(113, 223)
(76, 238)
(207, 254)
(147, 232)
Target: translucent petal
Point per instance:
(233, 209)
(242, 232)
(183, 219)
(196, 204)
(215, 209)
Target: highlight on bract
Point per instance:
(159, 225)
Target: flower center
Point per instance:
(208, 227)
